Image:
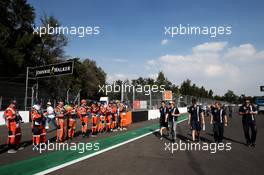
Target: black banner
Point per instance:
(261, 88)
(139, 116)
(54, 70)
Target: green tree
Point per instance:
(230, 96)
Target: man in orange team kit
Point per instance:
(60, 112)
(94, 112)
(108, 117)
(38, 126)
(114, 117)
(83, 115)
(102, 118)
(13, 120)
(123, 111)
(71, 120)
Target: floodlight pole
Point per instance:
(122, 92)
(26, 92)
(150, 100)
(67, 95)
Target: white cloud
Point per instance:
(215, 66)
(164, 42)
(210, 47)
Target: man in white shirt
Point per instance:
(50, 116)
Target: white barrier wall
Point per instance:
(24, 115)
(153, 114)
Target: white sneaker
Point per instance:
(124, 129)
(11, 151)
(120, 129)
(20, 148)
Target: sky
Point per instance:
(132, 40)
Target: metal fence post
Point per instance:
(26, 91)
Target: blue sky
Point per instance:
(129, 44)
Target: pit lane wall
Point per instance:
(132, 117)
(138, 116)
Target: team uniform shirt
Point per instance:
(37, 118)
(195, 113)
(163, 112)
(218, 115)
(173, 111)
(247, 109)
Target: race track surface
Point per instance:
(146, 155)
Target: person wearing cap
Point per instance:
(60, 119)
(173, 115)
(38, 125)
(108, 117)
(219, 121)
(196, 119)
(13, 120)
(82, 112)
(95, 116)
(113, 113)
(123, 117)
(71, 120)
(50, 116)
(248, 112)
(163, 118)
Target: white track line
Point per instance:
(96, 153)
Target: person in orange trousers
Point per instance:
(113, 117)
(60, 114)
(38, 126)
(71, 120)
(13, 121)
(102, 118)
(94, 113)
(83, 115)
(108, 118)
(123, 120)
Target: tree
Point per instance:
(162, 80)
(210, 93)
(230, 96)
(185, 88)
(17, 42)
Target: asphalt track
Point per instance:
(145, 155)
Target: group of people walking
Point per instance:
(218, 119)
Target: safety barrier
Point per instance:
(131, 116)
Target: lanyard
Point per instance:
(197, 110)
(251, 110)
(221, 117)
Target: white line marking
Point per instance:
(96, 153)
